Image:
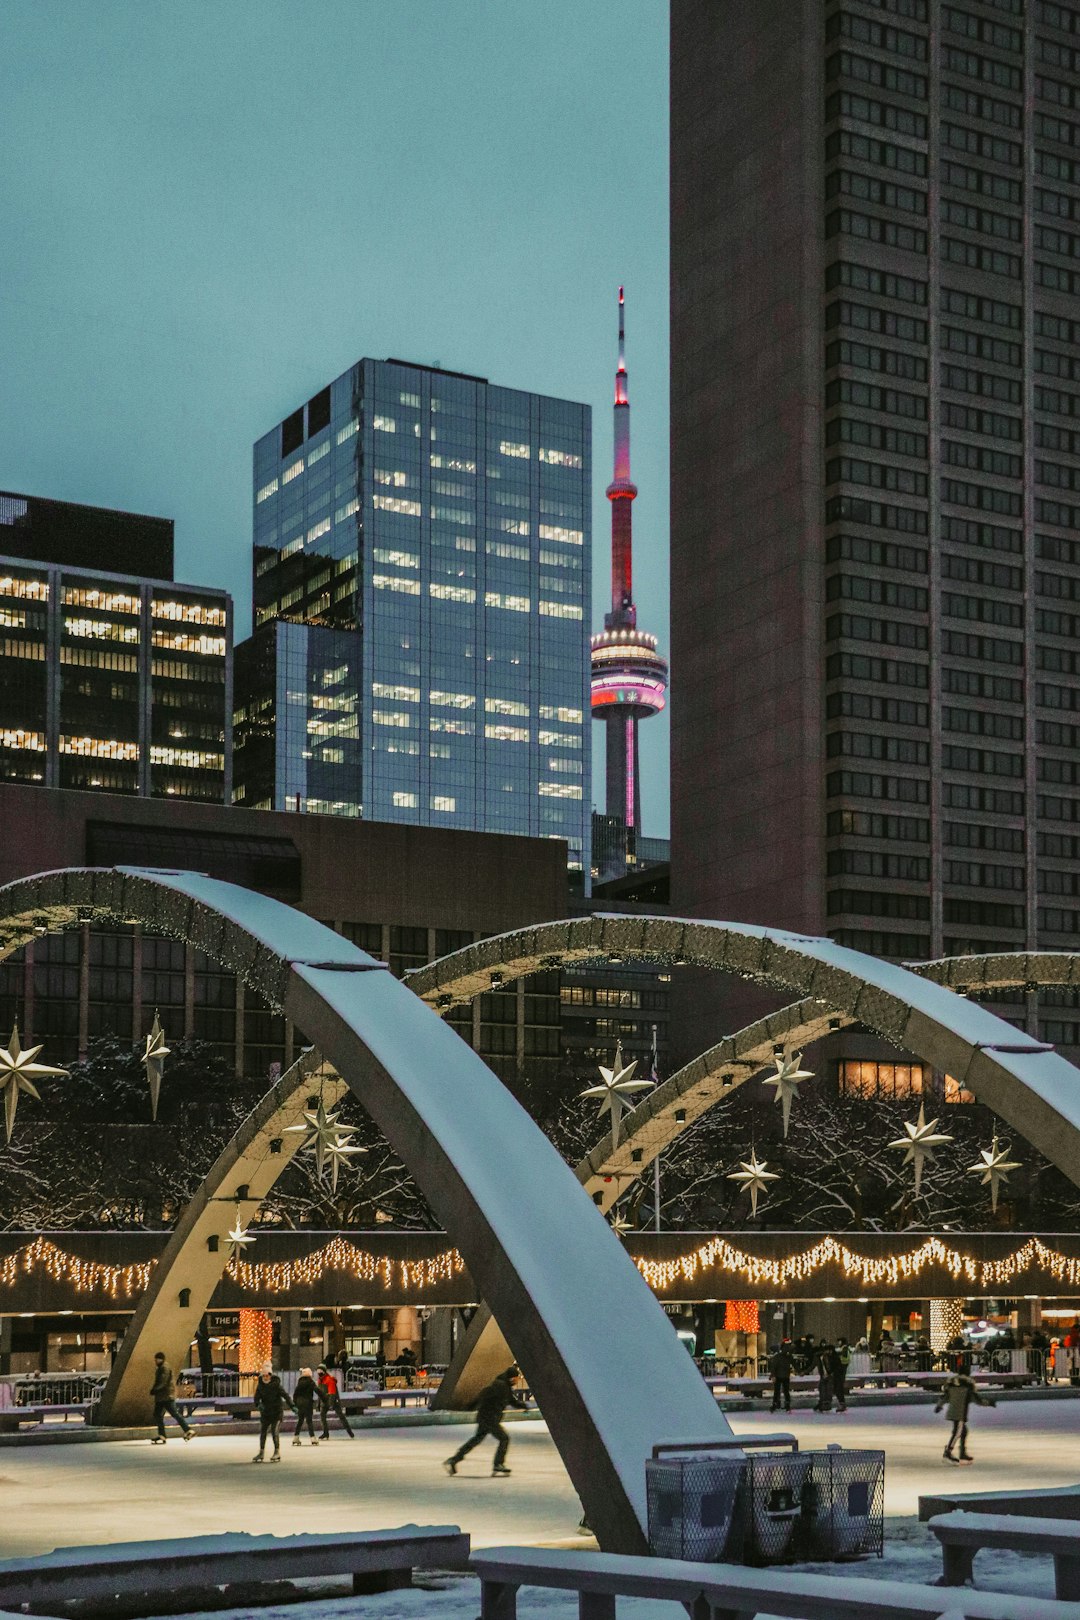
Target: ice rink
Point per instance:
(61, 1495)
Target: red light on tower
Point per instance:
(629, 677)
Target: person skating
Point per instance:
(491, 1403)
(957, 1395)
(330, 1401)
(163, 1391)
(780, 1367)
(304, 1397)
(823, 1368)
(270, 1403)
(838, 1367)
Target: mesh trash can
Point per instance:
(693, 1501)
(849, 1522)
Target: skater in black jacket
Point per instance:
(491, 1403)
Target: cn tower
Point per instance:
(629, 678)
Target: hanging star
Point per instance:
(620, 1225)
(754, 1176)
(338, 1152)
(153, 1061)
(239, 1237)
(615, 1087)
(787, 1079)
(919, 1143)
(18, 1071)
(995, 1168)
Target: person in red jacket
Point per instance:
(330, 1400)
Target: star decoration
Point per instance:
(239, 1237)
(18, 1071)
(754, 1176)
(919, 1143)
(994, 1168)
(616, 1085)
(787, 1080)
(328, 1140)
(620, 1224)
(153, 1061)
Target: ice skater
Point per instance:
(270, 1403)
(329, 1399)
(957, 1395)
(780, 1368)
(304, 1397)
(491, 1403)
(163, 1391)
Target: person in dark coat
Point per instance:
(304, 1397)
(839, 1358)
(823, 1368)
(957, 1395)
(270, 1403)
(330, 1401)
(491, 1403)
(780, 1367)
(163, 1391)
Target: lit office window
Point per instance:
(440, 801)
(405, 801)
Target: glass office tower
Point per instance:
(435, 531)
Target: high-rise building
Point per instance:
(629, 678)
(119, 681)
(421, 588)
(875, 449)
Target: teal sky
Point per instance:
(212, 207)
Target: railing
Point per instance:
(50, 1389)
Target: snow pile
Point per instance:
(912, 1554)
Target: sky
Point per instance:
(211, 209)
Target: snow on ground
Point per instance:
(122, 1491)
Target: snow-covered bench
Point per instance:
(962, 1535)
(377, 1560)
(730, 1592)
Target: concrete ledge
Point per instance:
(1057, 1502)
(858, 1401)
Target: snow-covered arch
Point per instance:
(1025, 1082)
(570, 1299)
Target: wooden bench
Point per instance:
(1046, 1502)
(12, 1417)
(377, 1561)
(730, 1592)
(962, 1535)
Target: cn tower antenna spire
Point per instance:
(629, 677)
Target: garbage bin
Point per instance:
(692, 1500)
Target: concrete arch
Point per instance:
(194, 1259)
(1008, 970)
(1025, 1082)
(535, 1246)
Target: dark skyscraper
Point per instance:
(111, 675)
(876, 470)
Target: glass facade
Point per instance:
(436, 530)
(297, 730)
(114, 683)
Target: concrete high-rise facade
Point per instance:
(875, 467)
(425, 537)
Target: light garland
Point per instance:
(340, 1255)
(741, 1316)
(86, 1276)
(720, 1255)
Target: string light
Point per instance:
(741, 1316)
(86, 1276)
(872, 1271)
(256, 1340)
(410, 1276)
